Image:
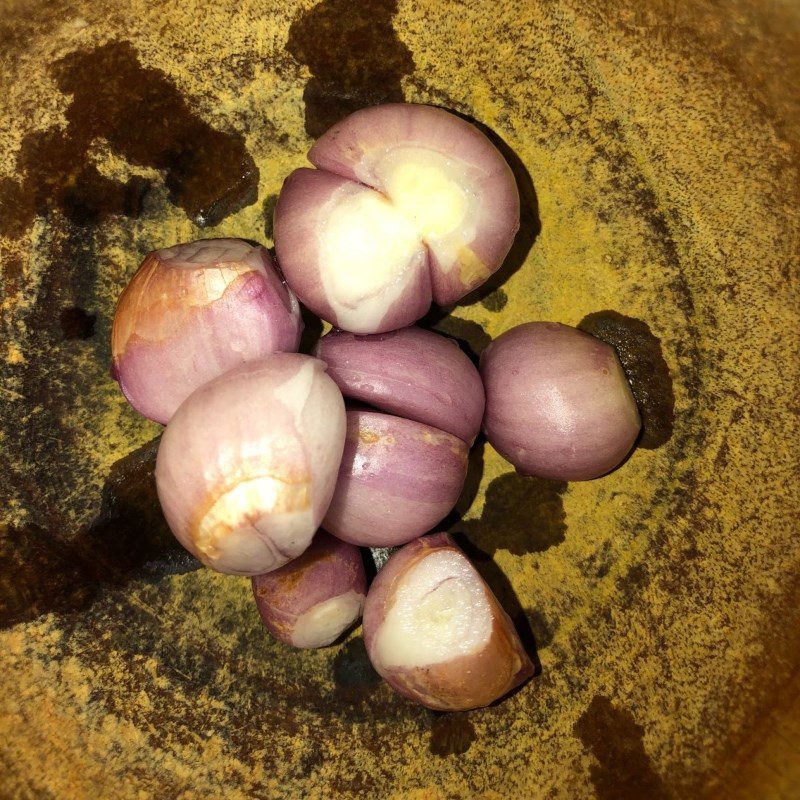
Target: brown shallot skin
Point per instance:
(313, 599)
(193, 311)
(558, 403)
(420, 651)
(413, 373)
(397, 479)
(408, 204)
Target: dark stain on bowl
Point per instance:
(452, 734)
(76, 323)
(355, 56)
(13, 269)
(38, 574)
(352, 668)
(141, 116)
(520, 514)
(130, 535)
(41, 572)
(623, 770)
(642, 358)
(45, 478)
(495, 301)
(144, 118)
(268, 210)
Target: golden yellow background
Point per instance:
(662, 142)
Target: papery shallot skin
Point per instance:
(558, 403)
(193, 311)
(433, 199)
(495, 661)
(313, 599)
(398, 478)
(247, 465)
(413, 373)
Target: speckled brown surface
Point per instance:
(657, 147)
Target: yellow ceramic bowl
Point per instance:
(656, 146)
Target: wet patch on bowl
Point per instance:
(355, 56)
(76, 323)
(623, 770)
(42, 572)
(143, 117)
(452, 734)
(139, 114)
(38, 574)
(520, 514)
(495, 301)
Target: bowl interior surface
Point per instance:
(656, 152)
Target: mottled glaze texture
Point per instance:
(656, 148)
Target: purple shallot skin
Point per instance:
(248, 463)
(558, 403)
(437, 634)
(313, 599)
(194, 311)
(398, 478)
(408, 204)
(413, 373)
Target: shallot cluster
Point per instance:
(281, 466)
